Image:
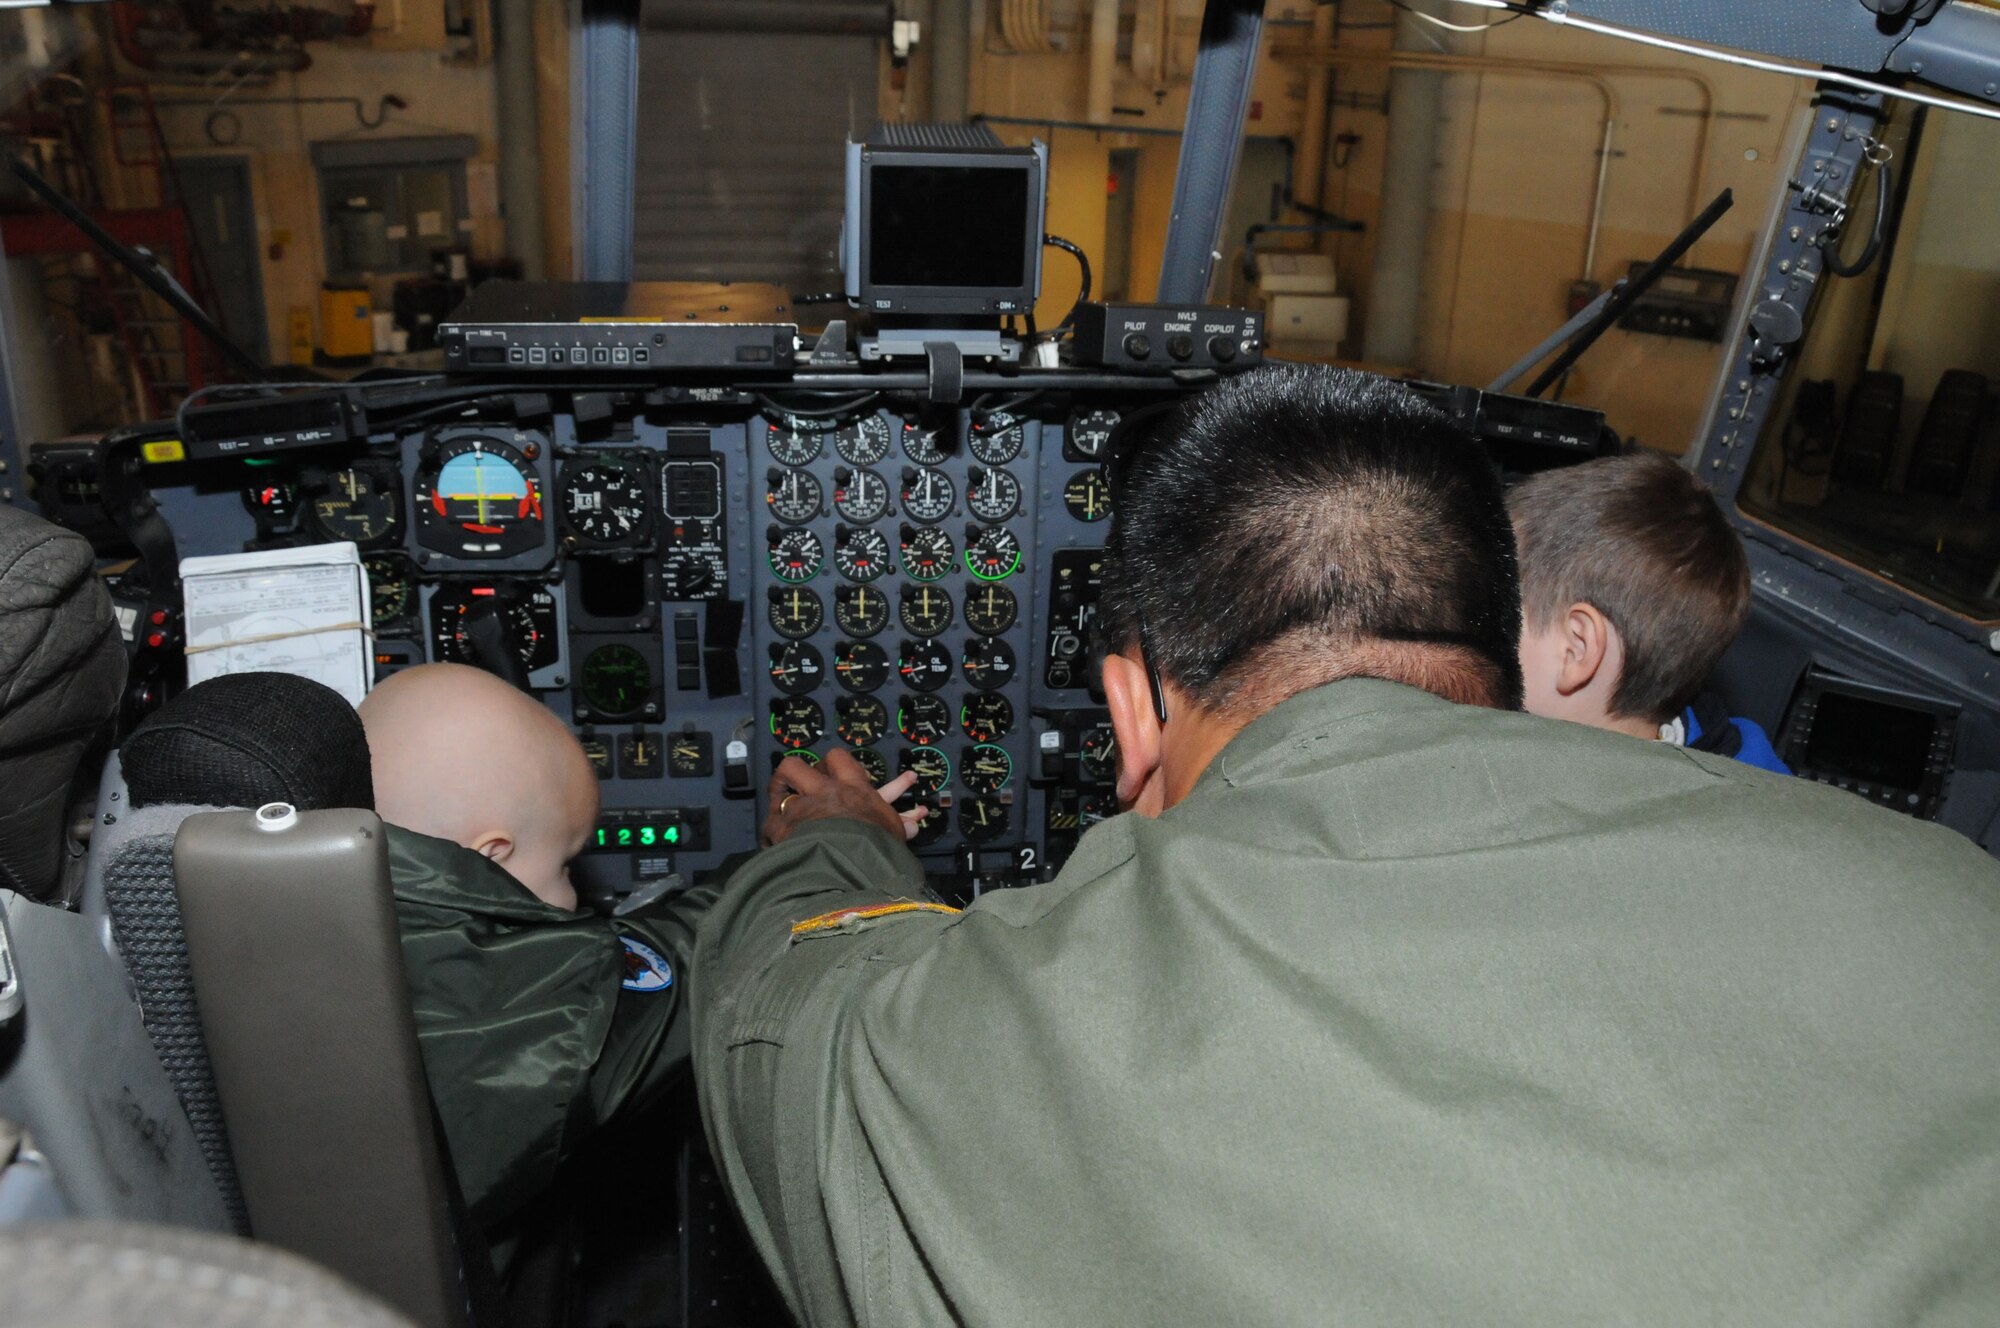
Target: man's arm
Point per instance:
(774, 964)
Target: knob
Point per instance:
(1138, 346)
(1221, 349)
(1181, 346)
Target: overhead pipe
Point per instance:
(950, 42)
(1103, 59)
(520, 136)
(1306, 184)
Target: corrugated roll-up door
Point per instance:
(744, 107)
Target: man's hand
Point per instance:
(836, 789)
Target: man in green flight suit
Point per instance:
(1386, 1003)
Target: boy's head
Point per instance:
(460, 755)
(1632, 586)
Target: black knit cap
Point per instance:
(246, 739)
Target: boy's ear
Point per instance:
(1589, 643)
(494, 846)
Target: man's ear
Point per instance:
(1588, 641)
(494, 846)
(1130, 698)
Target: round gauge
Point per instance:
(924, 610)
(933, 769)
(359, 505)
(796, 555)
(861, 721)
(1095, 807)
(1088, 495)
(873, 763)
(922, 444)
(796, 612)
(797, 722)
(927, 552)
(479, 498)
(860, 666)
(992, 554)
(982, 819)
(997, 439)
(617, 681)
(990, 609)
(792, 495)
(1090, 433)
(862, 553)
(993, 495)
(865, 441)
(927, 494)
(986, 717)
(688, 573)
(271, 498)
(860, 496)
(924, 665)
(801, 754)
(527, 621)
(988, 663)
(392, 589)
(606, 501)
(1097, 755)
(986, 768)
(793, 445)
(796, 667)
(860, 610)
(929, 830)
(923, 720)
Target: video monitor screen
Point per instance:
(1870, 740)
(948, 226)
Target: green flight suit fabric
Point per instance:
(1409, 1013)
(529, 1037)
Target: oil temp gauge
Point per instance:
(860, 666)
(923, 665)
(988, 664)
(796, 668)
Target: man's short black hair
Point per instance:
(245, 739)
(1299, 524)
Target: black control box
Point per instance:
(1160, 338)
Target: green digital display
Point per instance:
(627, 833)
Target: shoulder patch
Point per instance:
(856, 919)
(645, 968)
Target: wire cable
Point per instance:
(835, 404)
(1437, 22)
(1813, 72)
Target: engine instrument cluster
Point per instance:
(704, 589)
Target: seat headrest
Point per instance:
(62, 670)
(246, 739)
